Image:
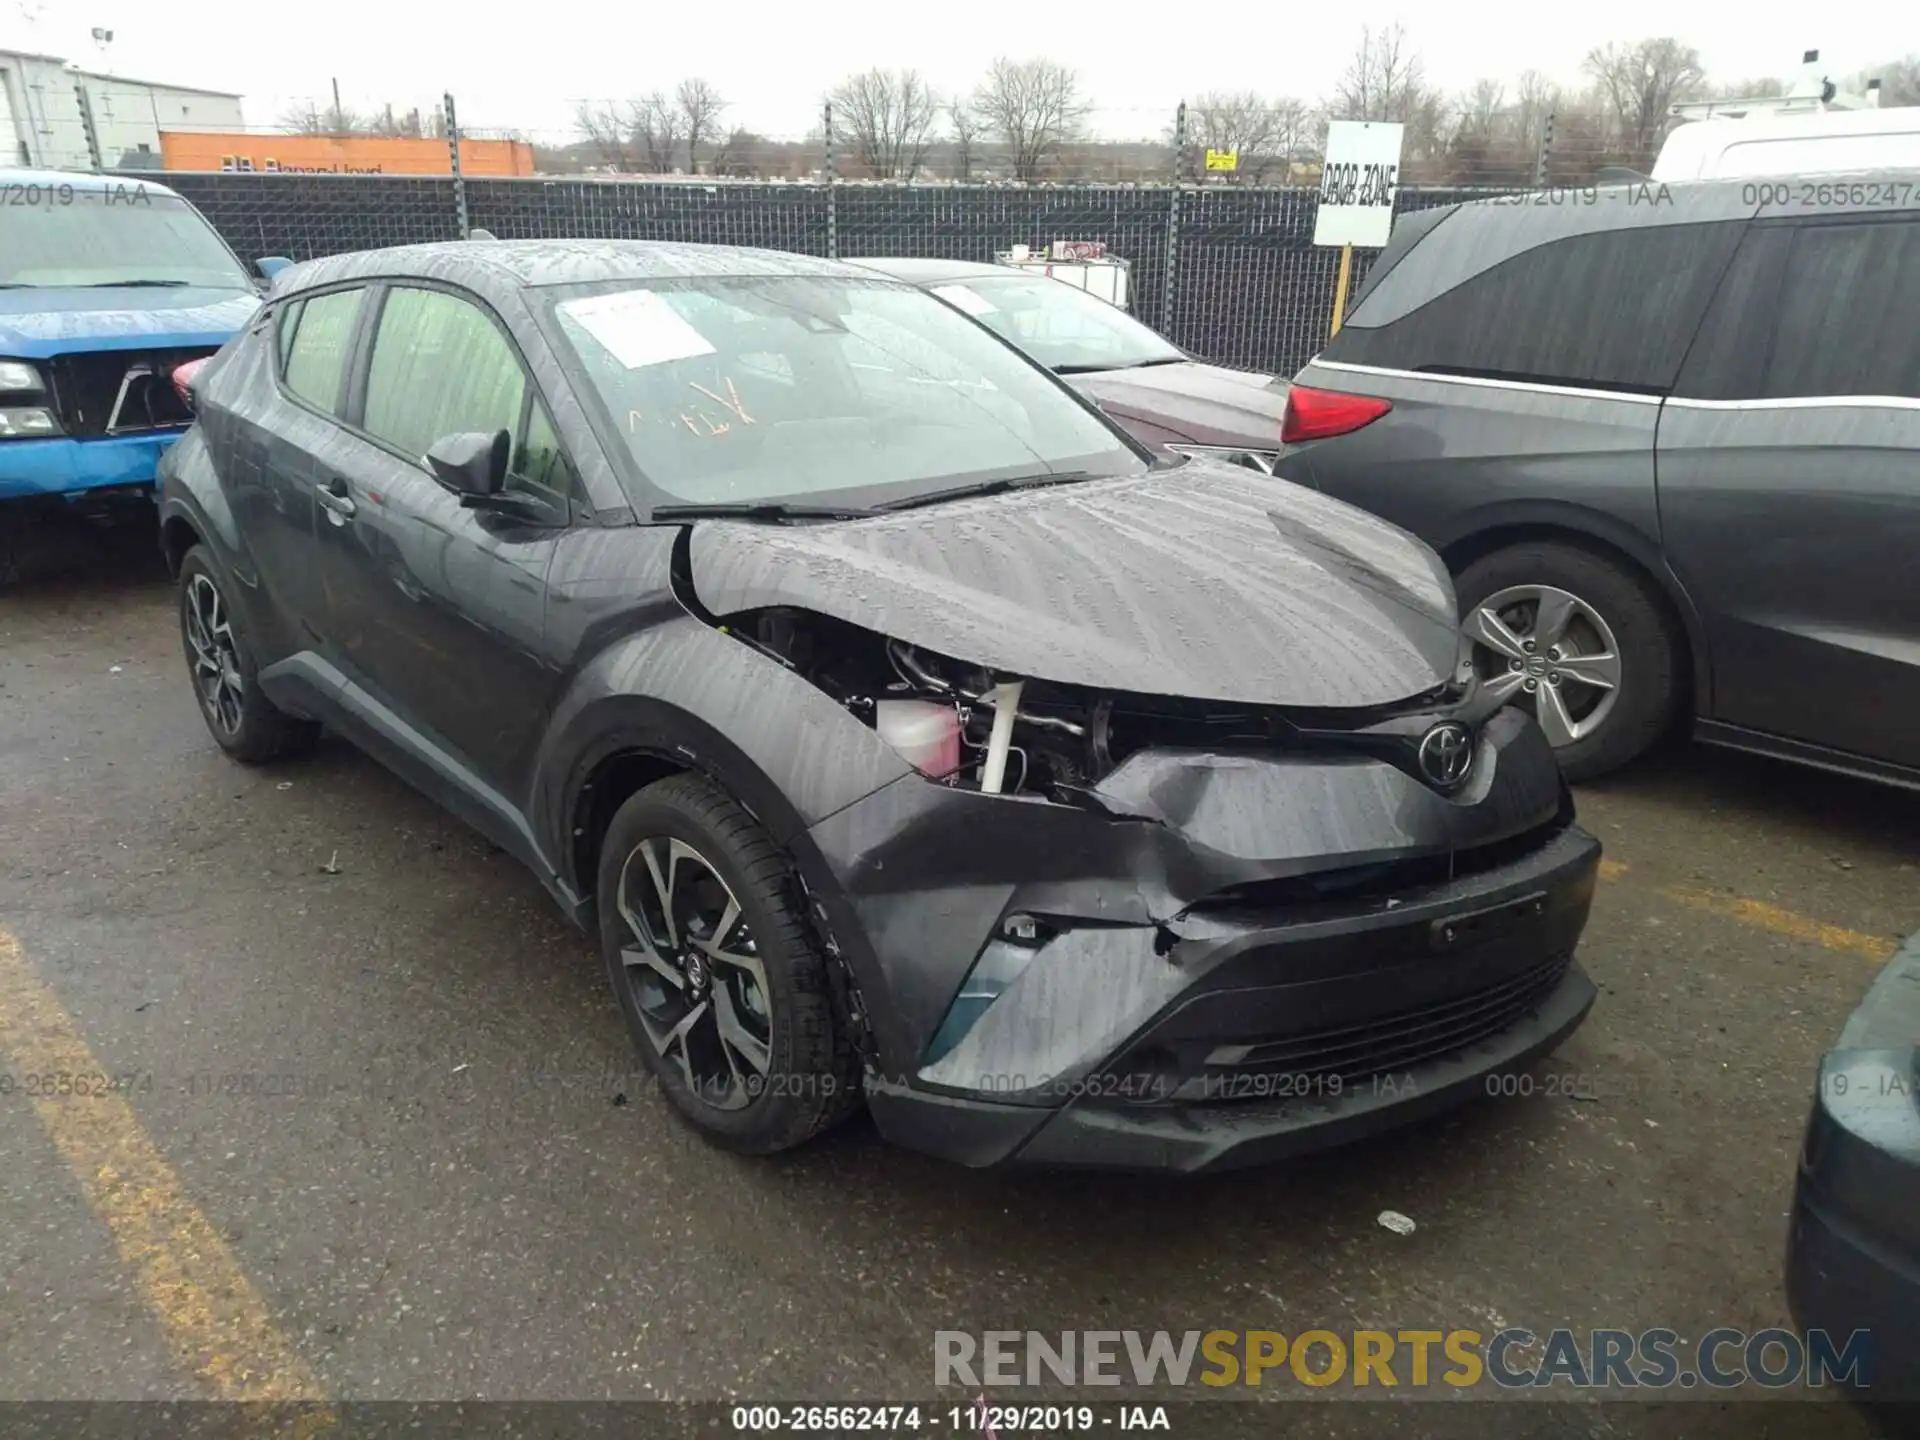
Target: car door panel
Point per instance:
(271, 441)
(1793, 516)
(434, 609)
(437, 610)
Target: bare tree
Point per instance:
(888, 118)
(1297, 131)
(1536, 98)
(1242, 121)
(605, 129)
(1641, 83)
(1035, 107)
(1384, 79)
(1899, 81)
(654, 127)
(700, 109)
(736, 153)
(966, 138)
(307, 118)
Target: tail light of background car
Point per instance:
(1317, 414)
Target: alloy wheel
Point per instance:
(216, 658)
(1548, 649)
(694, 972)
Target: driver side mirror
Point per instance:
(271, 265)
(472, 464)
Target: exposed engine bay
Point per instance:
(118, 392)
(972, 728)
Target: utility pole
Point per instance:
(339, 119)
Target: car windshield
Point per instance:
(1062, 327)
(127, 234)
(818, 388)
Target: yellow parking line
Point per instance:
(1782, 922)
(215, 1321)
(1768, 917)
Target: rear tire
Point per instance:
(1612, 609)
(725, 992)
(226, 682)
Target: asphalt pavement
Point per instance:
(375, 1130)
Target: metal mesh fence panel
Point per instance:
(1250, 287)
(305, 216)
(773, 217)
(972, 222)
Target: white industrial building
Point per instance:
(42, 122)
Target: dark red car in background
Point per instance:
(1158, 392)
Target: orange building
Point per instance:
(338, 155)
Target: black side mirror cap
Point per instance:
(472, 463)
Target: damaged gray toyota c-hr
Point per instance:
(906, 732)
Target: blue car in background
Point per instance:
(107, 286)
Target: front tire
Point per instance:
(244, 723)
(1582, 643)
(723, 988)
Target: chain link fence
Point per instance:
(1248, 287)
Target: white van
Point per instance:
(1816, 128)
(1822, 143)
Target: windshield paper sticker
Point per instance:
(637, 327)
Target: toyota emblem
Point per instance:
(1446, 753)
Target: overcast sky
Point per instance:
(527, 65)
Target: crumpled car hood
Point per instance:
(1206, 404)
(38, 323)
(1206, 581)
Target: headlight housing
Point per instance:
(1262, 460)
(19, 376)
(27, 422)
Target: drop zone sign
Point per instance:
(1358, 183)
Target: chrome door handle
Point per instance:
(335, 497)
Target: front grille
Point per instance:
(87, 388)
(1383, 878)
(1321, 1063)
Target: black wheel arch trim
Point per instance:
(626, 725)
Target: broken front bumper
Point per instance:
(1244, 958)
(65, 466)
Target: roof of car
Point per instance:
(917, 271)
(78, 180)
(518, 264)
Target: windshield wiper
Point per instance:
(136, 284)
(18, 285)
(1129, 365)
(992, 487)
(758, 510)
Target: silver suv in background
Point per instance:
(1667, 438)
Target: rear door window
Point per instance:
(1610, 310)
(316, 349)
(1847, 326)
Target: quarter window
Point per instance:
(1843, 327)
(1609, 310)
(315, 335)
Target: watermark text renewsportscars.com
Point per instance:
(1724, 1358)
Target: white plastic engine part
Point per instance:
(926, 734)
(1005, 700)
